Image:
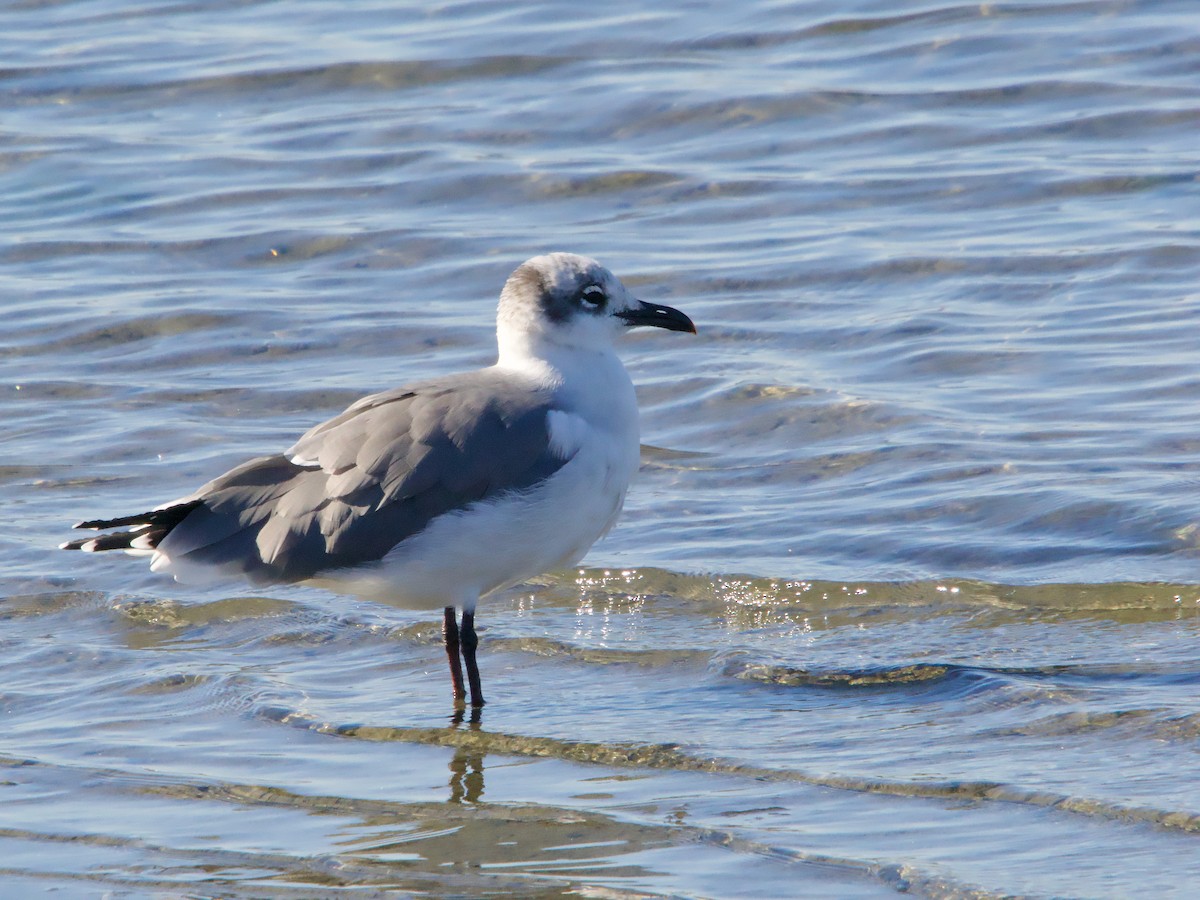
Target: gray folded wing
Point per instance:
(354, 487)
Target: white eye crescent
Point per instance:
(592, 296)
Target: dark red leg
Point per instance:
(450, 635)
(469, 642)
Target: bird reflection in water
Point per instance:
(466, 768)
(466, 776)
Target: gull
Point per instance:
(439, 493)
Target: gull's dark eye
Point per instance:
(592, 297)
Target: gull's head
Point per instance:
(565, 300)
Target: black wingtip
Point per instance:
(122, 522)
(148, 529)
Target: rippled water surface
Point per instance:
(906, 598)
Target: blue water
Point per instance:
(905, 596)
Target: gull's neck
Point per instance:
(553, 362)
(591, 380)
(530, 356)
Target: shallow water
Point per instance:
(904, 600)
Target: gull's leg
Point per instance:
(469, 642)
(450, 635)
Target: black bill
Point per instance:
(659, 316)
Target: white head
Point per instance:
(562, 300)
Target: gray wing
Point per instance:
(354, 487)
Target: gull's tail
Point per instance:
(149, 528)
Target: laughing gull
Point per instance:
(439, 493)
